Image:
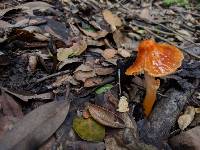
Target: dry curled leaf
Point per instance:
(109, 53)
(102, 71)
(63, 80)
(112, 19)
(84, 67)
(95, 35)
(36, 127)
(84, 72)
(30, 7)
(145, 14)
(123, 105)
(68, 61)
(9, 107)
(83, 75)
(122, 41)
(6, 124)
(26, 97)
(111, 144)
(91, 42)
(124, 53)
(75, 50)
(105, 117)
(185, 119)
(91, 82)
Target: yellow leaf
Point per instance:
(123, 104)
(185, 119)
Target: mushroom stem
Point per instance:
(152, 85)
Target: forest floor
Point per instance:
(63, 83)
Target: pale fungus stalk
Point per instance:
(152, 86)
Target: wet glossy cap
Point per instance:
(157, 59)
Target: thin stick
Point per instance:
(157, 30)
(176, 33)
(183, 11)
(150, 21)
(119, 82)
(52, 75)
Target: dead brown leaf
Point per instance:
(9, 106)
(105, 117)
(111, 144)
(7, 10)
(103, 71)
(84, 72)
(4, 24)
(68, 61)
(95, 35)
(63, 80)
(122, 41)
(6, 124)
(109, 53)
(27, 97)
(37, 5)
(123, 105)
(75, 50)
(112, 19)
(185, 119)
(145, 14)
(123, 52)
(91, 42)
(84, 67)
(90, 82)
(83, 75)
(36, 127)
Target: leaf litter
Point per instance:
(81, 49)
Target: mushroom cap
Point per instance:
(157, 59)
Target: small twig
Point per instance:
(182, 36)
(119, 82)
(31, 24)
(157, 30)
(153, 22)
(183, 11)
(52, 75)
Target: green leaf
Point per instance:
(104, 88)
(176, 2)
(88, 129)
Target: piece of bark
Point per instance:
(156, 129)
(187, 140)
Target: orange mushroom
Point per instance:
(154, 60)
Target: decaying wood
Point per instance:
(157, 128)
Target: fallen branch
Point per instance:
(51, 76)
